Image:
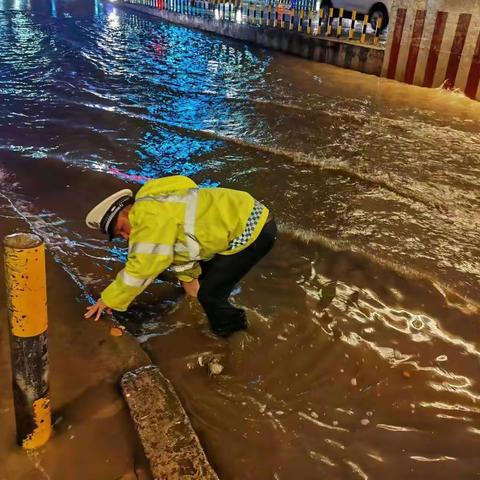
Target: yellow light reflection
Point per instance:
(113, 19)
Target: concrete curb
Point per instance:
(169, 441)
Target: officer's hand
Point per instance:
(191, 288)
(97, 310)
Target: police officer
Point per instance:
(210, 238)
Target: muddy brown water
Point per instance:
(364, 355)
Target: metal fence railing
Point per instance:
(304, 16)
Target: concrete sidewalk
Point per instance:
(94, 436)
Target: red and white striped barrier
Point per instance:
(435, 43)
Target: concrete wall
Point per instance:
(363, 58)
(435, 43)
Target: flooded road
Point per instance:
(365, 351)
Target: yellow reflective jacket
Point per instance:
(175, 224)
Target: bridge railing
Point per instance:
(296, 16)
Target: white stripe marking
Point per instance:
(132, 281)
(150, 248)
(189, 226)
(165, 198)
(182, 268)
(180, 248)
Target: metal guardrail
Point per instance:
(296, 17)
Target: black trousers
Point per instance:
(221, 274)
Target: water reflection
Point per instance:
(113, 19)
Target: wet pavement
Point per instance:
(363, 360)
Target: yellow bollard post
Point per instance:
(309, 23)
(320, 20)
(27, 314)
(340, 23)
(269, 14)
(364, 29)
(378, 29)
(292, 16)
(330, 22)
(351, 32)
(300, 21)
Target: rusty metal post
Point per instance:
(27, 312)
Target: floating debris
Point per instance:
(417, 324)
(212, 362)
(116, 331)
(321, 458)
(215, 368)
(321, 424)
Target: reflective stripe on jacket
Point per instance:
(175, 224)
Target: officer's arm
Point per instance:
(146, 260)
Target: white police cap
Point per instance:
(101, 216)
